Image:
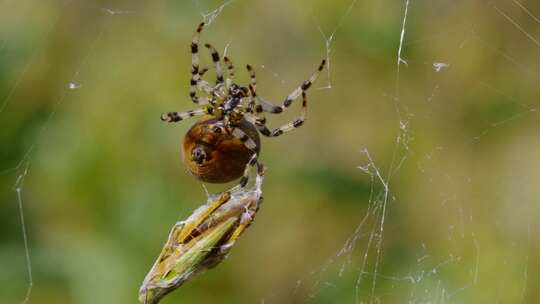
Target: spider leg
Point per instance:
(263, 106)
(252, 77)
(252, 162)
(266, 106)
(251, 145)
(260, 122)
(205, 87)
(178, 116)
(230, 66)
(203, 71)
(215, 59)
(244, 138)
(195, 74)
(199, 84)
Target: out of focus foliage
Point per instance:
(105, 180)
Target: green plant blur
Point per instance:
(459, 148)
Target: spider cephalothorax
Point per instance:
(225, 143)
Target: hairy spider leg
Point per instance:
(267, 106)
(255, 108)
(252, 77)
(252, 88)
(248, 143)
(230, 67)
(204, 86)
(203, 71)
(217, 64)
(260, 122)
(230, 71)
(252, 106)
(178, 116)
(255, 115)
(243, 137)
(252, 162)
(196, 74)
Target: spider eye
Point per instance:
(216, 129)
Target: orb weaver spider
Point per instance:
(222, 146)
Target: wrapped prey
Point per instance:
(203, 240)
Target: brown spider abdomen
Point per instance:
(213, 155)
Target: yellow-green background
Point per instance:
(105, 180)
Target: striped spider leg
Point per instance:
(179, 116)
(262, 105)
(252, 162)
(230, 71)
(217, 62)
(196, 82)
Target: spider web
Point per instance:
(420, 280)
(434, 227)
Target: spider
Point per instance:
(224, 144)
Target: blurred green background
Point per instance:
(459, 149)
